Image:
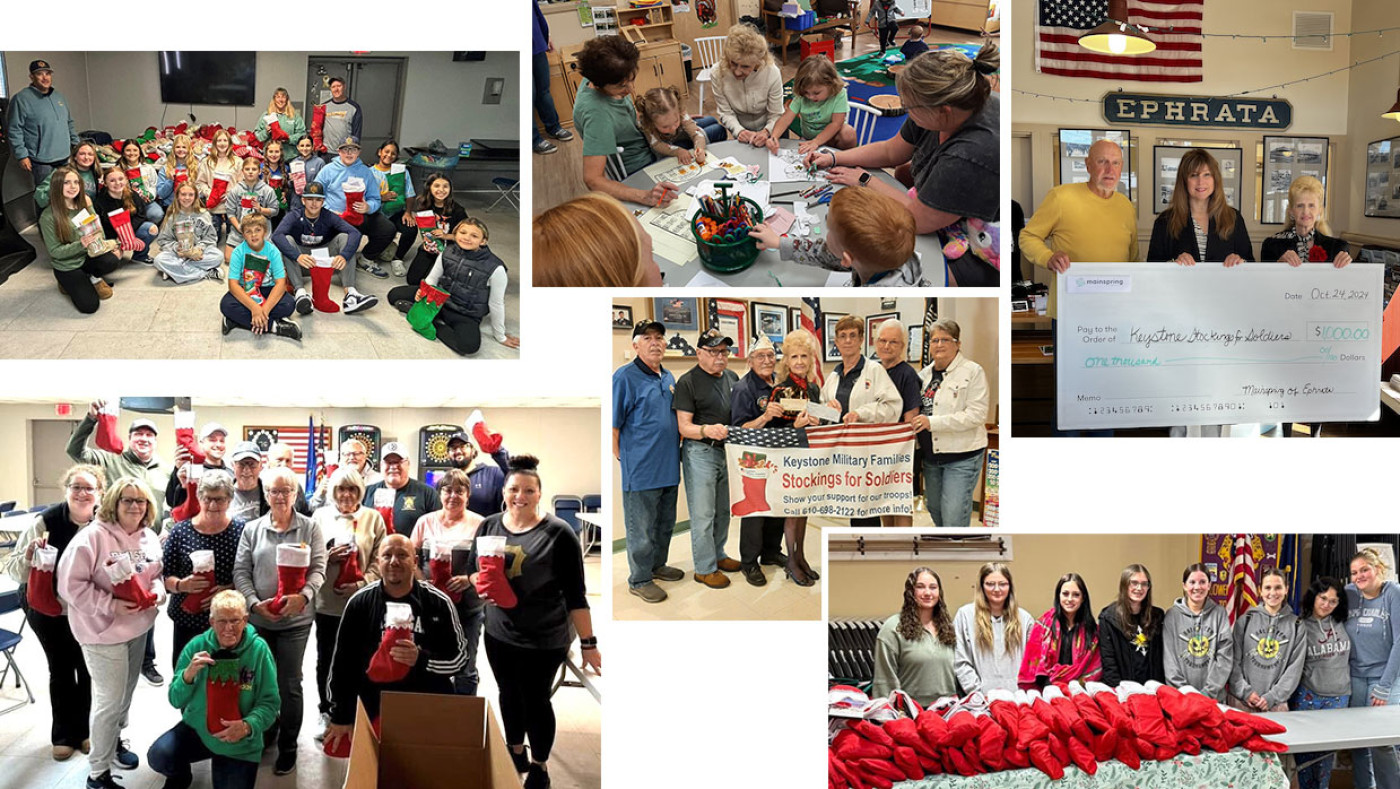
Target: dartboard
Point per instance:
(369, 434)
(432, 449)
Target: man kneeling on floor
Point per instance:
(396, 634)
(316, 241)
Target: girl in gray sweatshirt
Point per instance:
(1268, 650)
(1373, 622)
(1199, 647)
(1326, 681)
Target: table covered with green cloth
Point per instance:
(1238, 769)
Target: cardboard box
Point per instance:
(430, 742)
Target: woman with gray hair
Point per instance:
(281, 545)
(211, 530)
(948, 150)
(951, 426)
(352, 533)
(891, 343)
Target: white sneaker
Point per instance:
(321, 727)
(398, 268)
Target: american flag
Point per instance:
(857, 435)
(930, 318)
(1244, 580)
(813, 323)
(1173, 25)
(294, 437)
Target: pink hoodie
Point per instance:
(84, 584)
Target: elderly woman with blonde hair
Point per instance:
(947, 154)
(748, 87)
(593, 242)
(1305, 238)
(794, 383)
(226, 691)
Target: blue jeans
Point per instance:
(650, 518)
(1315, 776)
(147, 232)
(234, 310)
(706, 475)
(713, 129)
(172, 754)
(1373, 768)
(544, 102)
(155, 213)
(948, 490)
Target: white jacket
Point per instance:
(958, 419)
(873, 397)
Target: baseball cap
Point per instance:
(314, 190)
(393, 448)
(246, 449)
(39, 65)
(713, 338)
(350, 142)
(458, 436)
(643, 326)
(137, 424)
(210, 428)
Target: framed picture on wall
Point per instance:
(731, 319)
(1167, 158)
(829, 335)
(1383, 178)
(1286, 158)
(678, 313)
(1073, 156)
(769, 320)
(794, 318)
(914, 354)
(622, 317)
(872, 325)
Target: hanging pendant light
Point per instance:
(1116, 36)
(1394, 112)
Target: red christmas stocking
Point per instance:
(202, 565)
(133, 176)
(274, 128)
(489, 442)
(384, 505)
(321, 289)
(873, 733)
(221, 691)
(491, 576)
(43, 595)
(1148, 720)
(905, 732)
(1112, 708)
(108, 437)
(318, 124)
(991, 744)
(962, 726)
(292, 563)
(121, 222)
(184, 438)
(350, 571)
(1063, 706)
(126, 584)
(850, 746)
(398, 625)
(440, 566)
(255, 268)
(906, 760)
(754, 477)
(354, 188)
(932, 728)
(219, 189)
(298, 169)
(182, 174)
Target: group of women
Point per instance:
(1341, 649)
(946, 156)
(946, 403)
(93, 625)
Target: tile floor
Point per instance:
(149, 318)
(576, 762)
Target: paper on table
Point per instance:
(669, 169)
(786, 166)
(732, 166)
(321, 257)
(780, 220)
(705, 279)
(825, 412)
(669, 229)
(757, 192)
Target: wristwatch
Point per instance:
(865, 179)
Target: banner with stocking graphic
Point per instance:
(842, 471)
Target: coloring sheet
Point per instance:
(786, 166)
(669, 169)
(669, 229)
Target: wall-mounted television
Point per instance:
(226, 78)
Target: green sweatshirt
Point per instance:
(63, 257)
(258, 699)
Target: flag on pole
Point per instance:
(1173, 25)
(813, 321)
(1244, 581)
(311, 446)
(930, 318)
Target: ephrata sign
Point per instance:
(1198, 111)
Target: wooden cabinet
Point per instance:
(654, 22)
(560, 90)
(663, 68)
(961, 14)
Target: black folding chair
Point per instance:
(9, 639)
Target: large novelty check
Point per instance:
(1157, 344)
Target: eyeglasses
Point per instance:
(996, 585)
(228, 622)
(942, 341)
(1139, 585)
(215, 499)
(388, 462)
(280, 491)
(126, 502)
(716, 351)
(353, 454)
(82, 489)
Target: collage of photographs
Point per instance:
(347, 431)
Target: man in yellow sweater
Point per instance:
(1090, 223)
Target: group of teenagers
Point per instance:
(389, 572)
(286, 222)
(1342, 648)
(945, 159)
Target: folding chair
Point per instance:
(7, 506)
(862, 117)
(9, 639)
(566, 508)
(591, 534)
(509, 191)
(710, 48)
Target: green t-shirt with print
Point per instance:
(814, 116)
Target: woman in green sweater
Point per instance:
(226, 690)
(914, 650)
(79, 273)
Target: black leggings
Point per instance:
(407, 235)
(419, 268)
(70, 686)
(78, 282)
(888, 34)
(459, 332)
(525, 678)
(327, 627)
